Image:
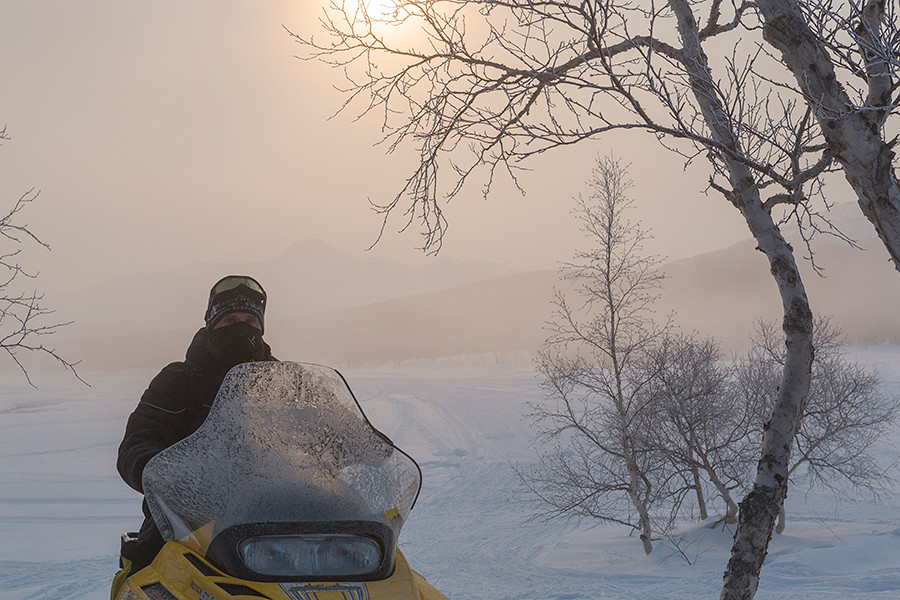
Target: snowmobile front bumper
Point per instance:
(178, 573)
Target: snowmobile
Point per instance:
(286, 492)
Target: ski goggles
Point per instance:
(233, 281)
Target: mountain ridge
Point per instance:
(368, 309)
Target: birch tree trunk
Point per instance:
(731, 510)
(759, 509)
(698, 488)
(854, 135)
(640, 506)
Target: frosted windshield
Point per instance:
(283, 442)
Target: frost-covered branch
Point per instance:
(24, 320)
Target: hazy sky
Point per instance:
(171, 132)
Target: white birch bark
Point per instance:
(731, 509)
(698, 489)
(855, 134)
(760, 507)
(640, 506)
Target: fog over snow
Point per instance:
(176, 142)
(63, 506)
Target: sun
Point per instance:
(379, 10)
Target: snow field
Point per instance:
(63, 506)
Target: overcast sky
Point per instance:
(167, 133)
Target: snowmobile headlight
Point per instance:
(311, 555)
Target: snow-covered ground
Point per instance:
(62, 505)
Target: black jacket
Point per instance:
(174, 405)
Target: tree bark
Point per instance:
(731, 511)
(759, 509)
(701, 501)
(779, 527)
(646, 525)
(855, 136)
(634, 475)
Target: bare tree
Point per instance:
(511, 79)
(23, 318)
(706, 424)
(596, 413)
(709, 413)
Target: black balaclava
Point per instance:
(235, 344)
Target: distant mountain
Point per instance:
(496, 316)
(308, 277)
(724, 293)
(330, 307)
(500, 315)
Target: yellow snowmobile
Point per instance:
(286, 492)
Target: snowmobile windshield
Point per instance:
(284, 444)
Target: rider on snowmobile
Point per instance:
(178, 399)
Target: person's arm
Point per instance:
(161, 418)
